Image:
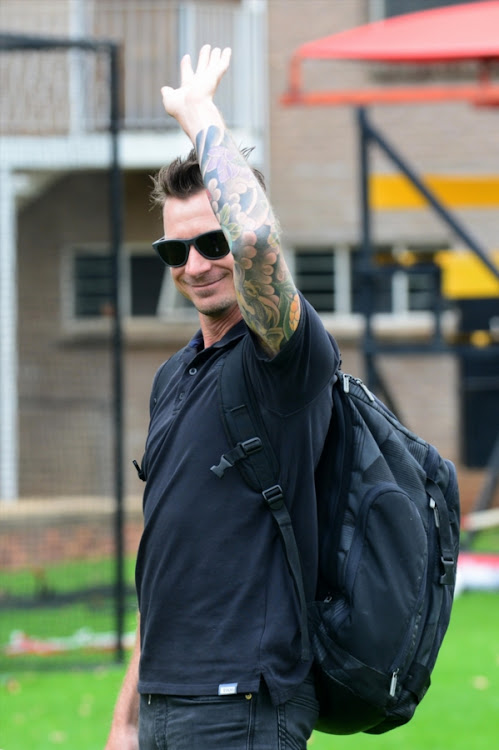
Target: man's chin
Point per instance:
(213, 311)
(216, 310)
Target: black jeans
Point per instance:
(232, 722)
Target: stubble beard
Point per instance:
(215, 310)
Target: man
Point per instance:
(218, 660)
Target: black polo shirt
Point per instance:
(217, 603)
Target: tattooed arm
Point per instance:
(265, 290)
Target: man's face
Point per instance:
(209, 284)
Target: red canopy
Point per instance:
(449, 34)
(459, 32)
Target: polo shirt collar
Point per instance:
(234, 334)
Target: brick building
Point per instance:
(59, 201)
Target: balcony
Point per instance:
(61, 93)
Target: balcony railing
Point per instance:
(59, 92)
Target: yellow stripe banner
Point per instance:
(394, 192)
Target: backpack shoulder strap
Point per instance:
(254, 456)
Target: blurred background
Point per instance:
(88, 313)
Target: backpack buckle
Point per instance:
(448, 577)
(274, 497)
(251, 446)
(238, 453)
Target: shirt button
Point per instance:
(193, 371)
(181, 395)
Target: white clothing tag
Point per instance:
(230, 688)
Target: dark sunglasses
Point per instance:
(211, 245)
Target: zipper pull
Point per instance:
(393, 683)
(346, 383)
(434, 508)
(366, 390)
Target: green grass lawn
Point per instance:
(86, 604)
(72, 709)
(63, 709)
(62, 577)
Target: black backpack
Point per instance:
(388, 508)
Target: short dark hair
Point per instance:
(182, 178)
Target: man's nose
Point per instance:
(196, 263)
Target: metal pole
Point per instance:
(9, 449)
(116, 191)
(366, 247)
(372, 376)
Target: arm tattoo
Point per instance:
(265, 290)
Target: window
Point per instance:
(92, 284)
(422, 290)
(332, 279)
(147, 288)
(382, 286)
(146, 280)
(315, 271)
(387, 8)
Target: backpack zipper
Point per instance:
(401, 658)
(354, 555)
(349, 575)
(346, 385)
(436, 514)
(393, 682)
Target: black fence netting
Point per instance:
(65, 590)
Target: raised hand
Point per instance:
(191, 104)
